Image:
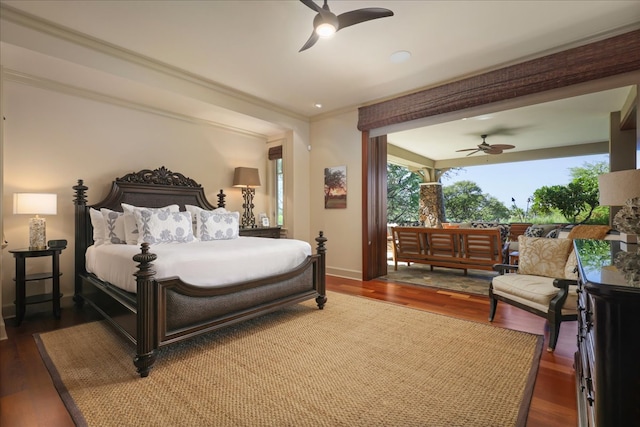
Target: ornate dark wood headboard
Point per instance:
(148, 188)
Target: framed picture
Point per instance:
(263, 220)
(335, 187)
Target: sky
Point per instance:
(519, 180)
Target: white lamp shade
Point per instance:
(618, 187)
(35, 203)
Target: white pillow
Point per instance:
(213, 225)
(97, 222)
(195, 212)
(163, 226)
(113, 227)
(131, 225)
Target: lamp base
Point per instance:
(248, 219)
(37, 233)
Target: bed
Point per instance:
(161, 309)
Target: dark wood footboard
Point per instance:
(216, 307)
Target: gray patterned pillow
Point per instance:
(113, 227)
(131, 233)
(533, 231)
(214, 225)
(163, 226)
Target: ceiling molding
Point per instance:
(26, 20)
(598, 60)
(41, 83)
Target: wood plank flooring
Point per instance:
(28, 398)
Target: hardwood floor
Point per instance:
(28, 398)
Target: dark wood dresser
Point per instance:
(272, 232)
(607, 362)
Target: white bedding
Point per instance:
(210, 263)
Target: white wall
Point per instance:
(52, 139)
(68, 119)
(337, 142)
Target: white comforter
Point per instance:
(211, 263)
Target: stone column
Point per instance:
(431, 204)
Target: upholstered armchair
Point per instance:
(544, 283)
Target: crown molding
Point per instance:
(26, 20)
(9, 75)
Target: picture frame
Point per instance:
(263, 220)
(335, 187)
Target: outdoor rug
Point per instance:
(358, 362)
(475, 282)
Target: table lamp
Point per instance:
(622, 188)
(36, 204)
(248, 179)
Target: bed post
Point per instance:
(145, 328)
(321, 299)
(221, 196)
(80, 203)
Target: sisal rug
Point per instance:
(358, 362)
(475, 282)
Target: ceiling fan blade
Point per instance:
(493, 151)
(503, 146)
(361, 15)
(311, 5)
(474, 152)
(312, 40)
(467, 149)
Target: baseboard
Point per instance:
(342, 272)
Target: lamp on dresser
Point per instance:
(622, 188)
(36, 204)
(248, 179)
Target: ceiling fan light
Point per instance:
(325, 30)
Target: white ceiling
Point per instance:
(252, 47)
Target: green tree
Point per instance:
(577, 200)
(464, 201)
(403, 194)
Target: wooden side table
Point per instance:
(22, 279)
(271, 232)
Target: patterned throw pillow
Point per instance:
(131, 232)
(163, 226)
(571, 267)
(553, 233)
(540, 256)
(195, 212)
(533, 231)
(113, 227)
(214, 225)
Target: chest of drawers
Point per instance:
(607, 362)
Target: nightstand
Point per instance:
(22, 279)
(271, 232)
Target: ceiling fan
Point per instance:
(488, 148)
(326, 23)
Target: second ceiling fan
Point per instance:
(326, 22)
(488, 148)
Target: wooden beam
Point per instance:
(598, 60)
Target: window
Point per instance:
(275, 155)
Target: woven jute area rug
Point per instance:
(474, 282)
(358, 362)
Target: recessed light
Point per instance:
(400, 56)
(317, 105)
